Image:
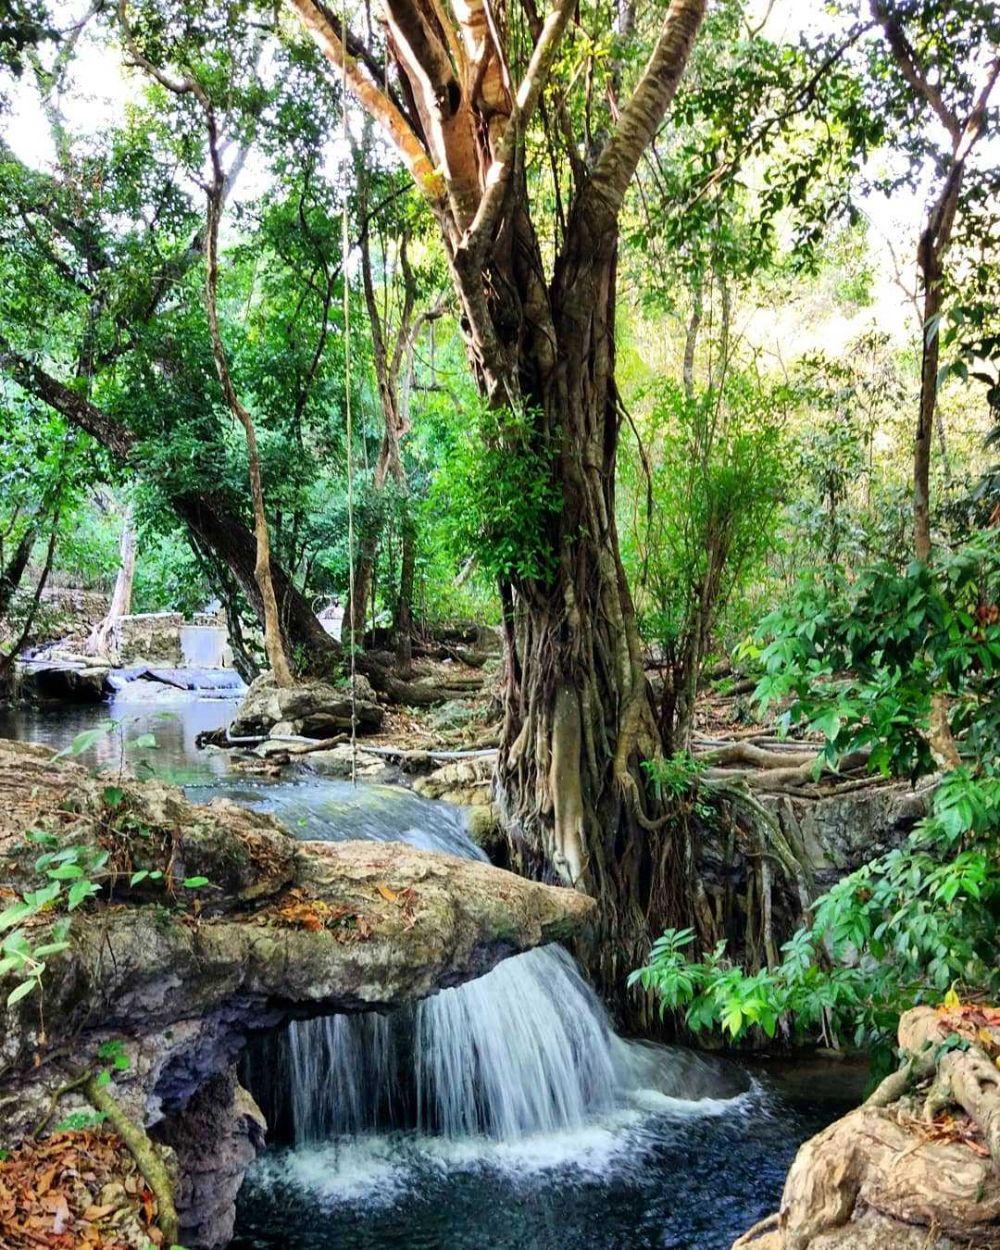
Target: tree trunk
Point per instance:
(10, 577)
(578, 713)
(579, 716)
(104, 640)
(402, 622)
(224, 534)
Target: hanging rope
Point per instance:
(346, 247)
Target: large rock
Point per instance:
(180, 976)
(153, 637)
(311, 709)
(838, 833)
(911, 1169)
(71, 680)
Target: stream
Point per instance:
(502, 1114)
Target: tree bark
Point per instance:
(104, 640)
(11, 575)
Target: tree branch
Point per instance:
(428, 179)
(641, 117)
(911, 69)
(76, 408)
(481, 228)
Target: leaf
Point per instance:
(65, 872)
(141, 875)
(22, 991)
(193, 883)
(79, 891)
(50, 948)
(84, 741)
(390, 896)
(144, 740)
(113, 796)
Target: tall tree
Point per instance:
(943, 83)
(578, 717)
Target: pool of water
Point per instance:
(679, 1162)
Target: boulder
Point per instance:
(180, 975)
(468, 782)
(311, 709)
(70, 680)
(915, 1167)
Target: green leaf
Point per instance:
(65, 872)
(144, 741)
(22, 991)
(79, 891)
(113, 796)
(50, 948)
(193, 883)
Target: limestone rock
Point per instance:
(887, 1177)
(70, 680)
(180, 975)
(466, 782)
(312, 709)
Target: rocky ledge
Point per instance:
(917, 1167)
(177, 976)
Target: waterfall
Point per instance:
(526, 1049)
(203, 646)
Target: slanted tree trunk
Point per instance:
(14, 570)
(104, 639)
(578, 713)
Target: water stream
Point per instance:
(505, 1113)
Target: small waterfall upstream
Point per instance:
(526, 1049)
(203, 646)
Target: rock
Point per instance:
(892, 1176)
(485, 829)
(154, 637)
(312, 709)
(337, 762)
(839, 833)
(180, 976)
(70, 680)
(214, 1141)
(466, 782)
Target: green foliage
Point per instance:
(502, 497)
(899, 931)
(860, 660)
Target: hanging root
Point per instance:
(145, 1154)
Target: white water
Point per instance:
(526, 1050)
(203, 646)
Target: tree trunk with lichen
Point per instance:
(579, 717)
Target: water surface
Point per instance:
(504, 1114)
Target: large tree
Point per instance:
(578, 718)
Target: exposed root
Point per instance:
(145, 1154)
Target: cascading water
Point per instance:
(203, 646)
(527, 1049)
(677, 1161)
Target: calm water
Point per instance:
(664, 1167)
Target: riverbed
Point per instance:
(507, 1116)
